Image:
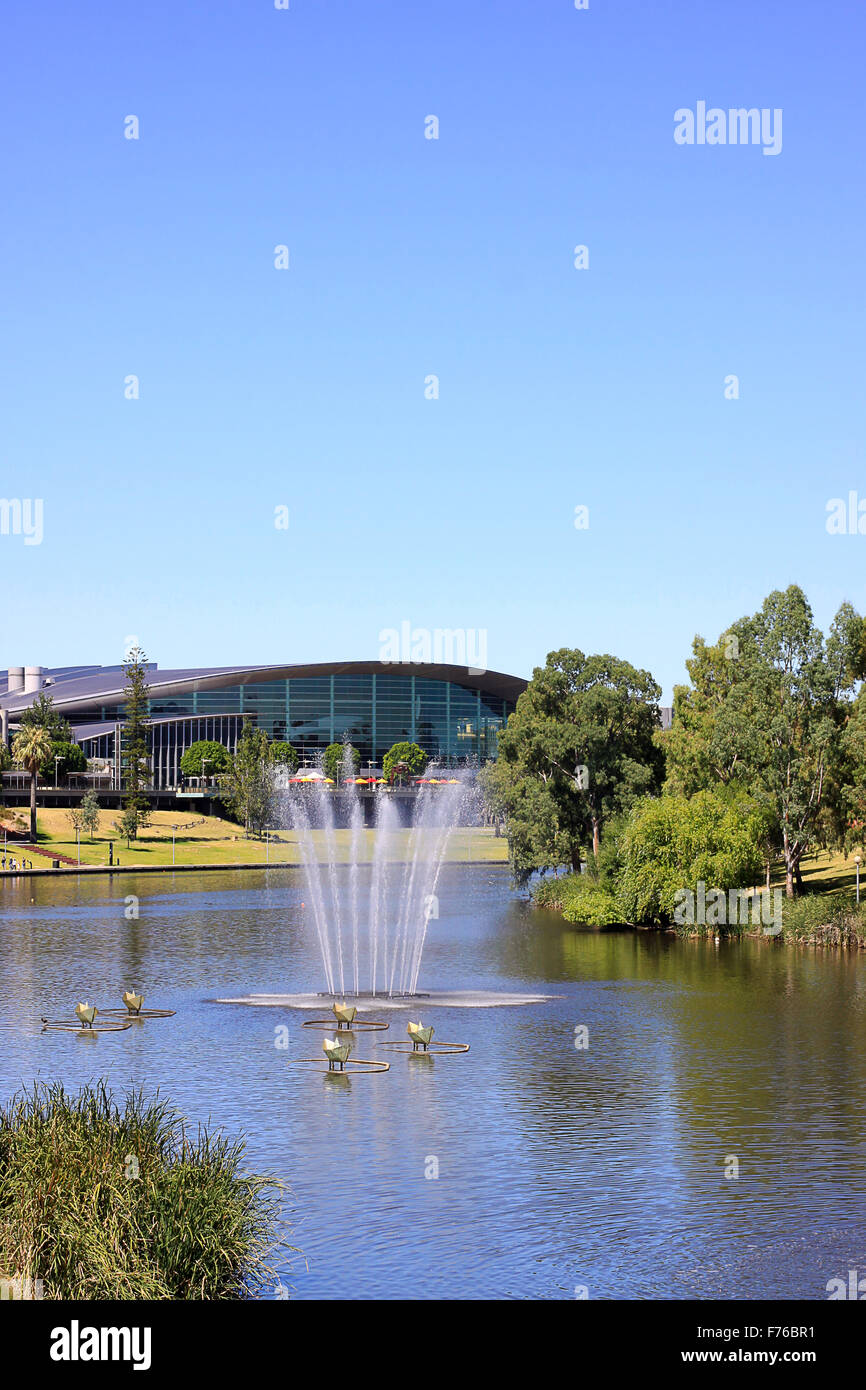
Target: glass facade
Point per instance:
(453, 723)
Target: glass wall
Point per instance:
(452, 723)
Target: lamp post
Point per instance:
(56, 761)
(173, 830)
(857, 863)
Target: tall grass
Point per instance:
(826, 918)
(100, 1200)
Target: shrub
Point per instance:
(101, 1201)
(408, 755)
(334, 761)
(671, 843)
(284, 755)
(832, 917)
(207, 753)
(580, 899)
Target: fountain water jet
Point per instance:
(378, 928)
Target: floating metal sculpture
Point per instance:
(347, 1020)
(423, 1044)
(86, 1024)
(337, 1052)
(133, 1008)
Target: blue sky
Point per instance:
(410, 257)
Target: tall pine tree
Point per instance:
(133, 746)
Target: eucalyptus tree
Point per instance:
(580, 747)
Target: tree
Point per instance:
(767, 711)
(85, 817)
(339, 757)
(128, 824)
(284, 755)
(133, 749)
(249, 784)
(535, 840)
(31, 747)
(583, 732)
(90, 813)
(43, 715)
(205, 758)
(64, 758)
(673, 843)
(404, 760)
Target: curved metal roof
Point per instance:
(106, 687)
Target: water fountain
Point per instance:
(371, 913)
(371, 894)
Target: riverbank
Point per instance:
(185, 841)
(828, 912)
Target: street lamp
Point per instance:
(857, 862)
(56, 761)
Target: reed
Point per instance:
(102, 1200)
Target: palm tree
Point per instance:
(31, 748)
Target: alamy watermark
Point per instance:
(735, 908)
(736, 126)
(446, 646)
(22, 516)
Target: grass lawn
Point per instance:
(824, 872)
(211, 840)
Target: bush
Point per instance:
(672, 843)
(284, 755)
(214, 756)
(104, 1202)
(580, 899)
(334, 761)
(831, 917)
(410, 756)
(71, 758)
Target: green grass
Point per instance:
(212, 840)
(103, 1201)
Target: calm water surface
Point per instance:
(558, 1167)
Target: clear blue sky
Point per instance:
(410, 257)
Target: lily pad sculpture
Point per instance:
(336, 1052)
(86, 1014)
(423, 1045)
(133, 1009)
(421, 1037)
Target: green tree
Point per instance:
(71, 759)
(133, 749)
(536, 842)
(90, 813)
(249, 785)
(404, 760)
(584, 731)
(205, 753)
(672, 843)
(85, 817)
(335, 760)
(42, 714)
(282, 754)
(31, 748)
(128, 824)
(766, 712)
